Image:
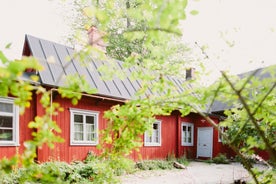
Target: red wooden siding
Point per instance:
(170, 133)
(64, 151)
(168, 141)
(24, 133)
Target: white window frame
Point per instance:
(148, 133)
(182, 134)
(15, 123)
(72, 128)
(220, 138)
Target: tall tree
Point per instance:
(153, 24)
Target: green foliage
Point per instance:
(183, 160)
(160, 164)
(154, 165)
(144, 43)
(250, 123)
(93, 170)
(61, 172)
(220, 159)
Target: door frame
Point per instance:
(211, 139)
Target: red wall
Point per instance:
(168, 141)
(190, 151)
(24, 133)
(171, 133)
(64, 151)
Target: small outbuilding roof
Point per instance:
(260, 74)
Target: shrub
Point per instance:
(154, 165)
(183, 160)
(221, 159)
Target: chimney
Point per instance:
(95, 38)
(190, 73)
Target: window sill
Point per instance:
(9, 144)
(152, 144)
(83, 144)
(187, 144)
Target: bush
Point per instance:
(122, 166)
(183, 160)
(154, 165)
(50, 172)
(220, 159)
(62, 173)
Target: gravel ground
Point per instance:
(196, 173)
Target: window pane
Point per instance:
(185, 136)
(78, 127)
(78, 118)
(154, 134)
(184, 128)
(90, 128)
(6, 121)
(6, 135)
(90, 137)
(89, 119)
(155, 126)
(156, 137)
(78, 136)
(6, 107)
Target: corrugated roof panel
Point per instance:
(126, 81)
(81, 69)
(118, 83)
(52, 60)
(37, 52)
(45, 74)
(177, 84)
(35, 47)
(94, 74)
(62, 55)
(113, 90)
(135, 83)
(58, 67)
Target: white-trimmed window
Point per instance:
(187, 134)
(153, 136)
(83, 127)
(220, 138)
(9, 122)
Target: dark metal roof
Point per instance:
(260, 74)
(54, 58)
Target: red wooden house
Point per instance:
(172, 135)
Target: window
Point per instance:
(84, 127)
(187, 134)
(153, 137)
(220, 138)
(9, 123)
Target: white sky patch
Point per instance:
(240, 34)
(40, 18)
(248, 26)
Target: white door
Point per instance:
(204, 142)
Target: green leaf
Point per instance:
(8, 45)
(194, 12)
(3, 57)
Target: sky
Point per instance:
(239, 35)
(40, 18)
